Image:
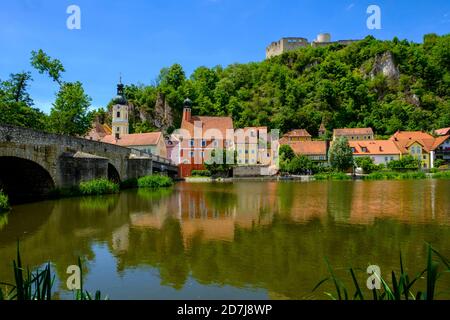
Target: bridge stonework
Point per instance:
(70, 160)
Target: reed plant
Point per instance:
(37, 284)
(402, 285)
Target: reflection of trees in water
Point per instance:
(162, 248)
(3, 219)
(268, 247)
(284, 258)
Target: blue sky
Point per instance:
(139, 37)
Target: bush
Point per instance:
(407, 162)
(4, 202)
(366, 164)
(98, 187)
(154, 181)
(201, 173)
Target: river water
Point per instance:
(241, 240)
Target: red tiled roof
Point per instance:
(297, 133)
(352, 131)
(308, 147)
(136, 139)
(443, 131)
(374, 147)
(438, 141)
(404, 139)
(209, 123)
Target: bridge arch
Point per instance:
(24, 180)
(113, 173)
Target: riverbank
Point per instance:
(335, 176)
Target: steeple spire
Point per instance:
(120, 86)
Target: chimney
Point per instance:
(187, 110)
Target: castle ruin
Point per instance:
(291, 43)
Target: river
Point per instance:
(242, 240)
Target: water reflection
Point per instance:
(267, 236)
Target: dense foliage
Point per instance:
(335, 84)
(155, 181)
(338, 85)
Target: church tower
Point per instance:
(120, 125)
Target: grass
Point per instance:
(332, 176)
(4, 202)
(389, 175)
(402, 286)
(37, 285)
(98, 187)
(154, 182)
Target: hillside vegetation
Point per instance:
(387, 85)
(344, 86)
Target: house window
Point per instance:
(118, 114)
(203, 154)
(364, 149)
(253, 151)
(353, 150)
(118, 129)
(191, 142)
(392, 158)
(386, 159)
(216, 143)
(203, 143)
(424, 157)
(192, 154)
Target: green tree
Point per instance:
(45, 64)
(16, 105)
(69, 114)
(341, 155)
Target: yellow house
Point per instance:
(415, 143)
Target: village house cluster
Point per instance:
(256, 150)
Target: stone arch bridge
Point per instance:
(33, 163)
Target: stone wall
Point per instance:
(247, 171)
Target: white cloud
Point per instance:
(350, 6)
